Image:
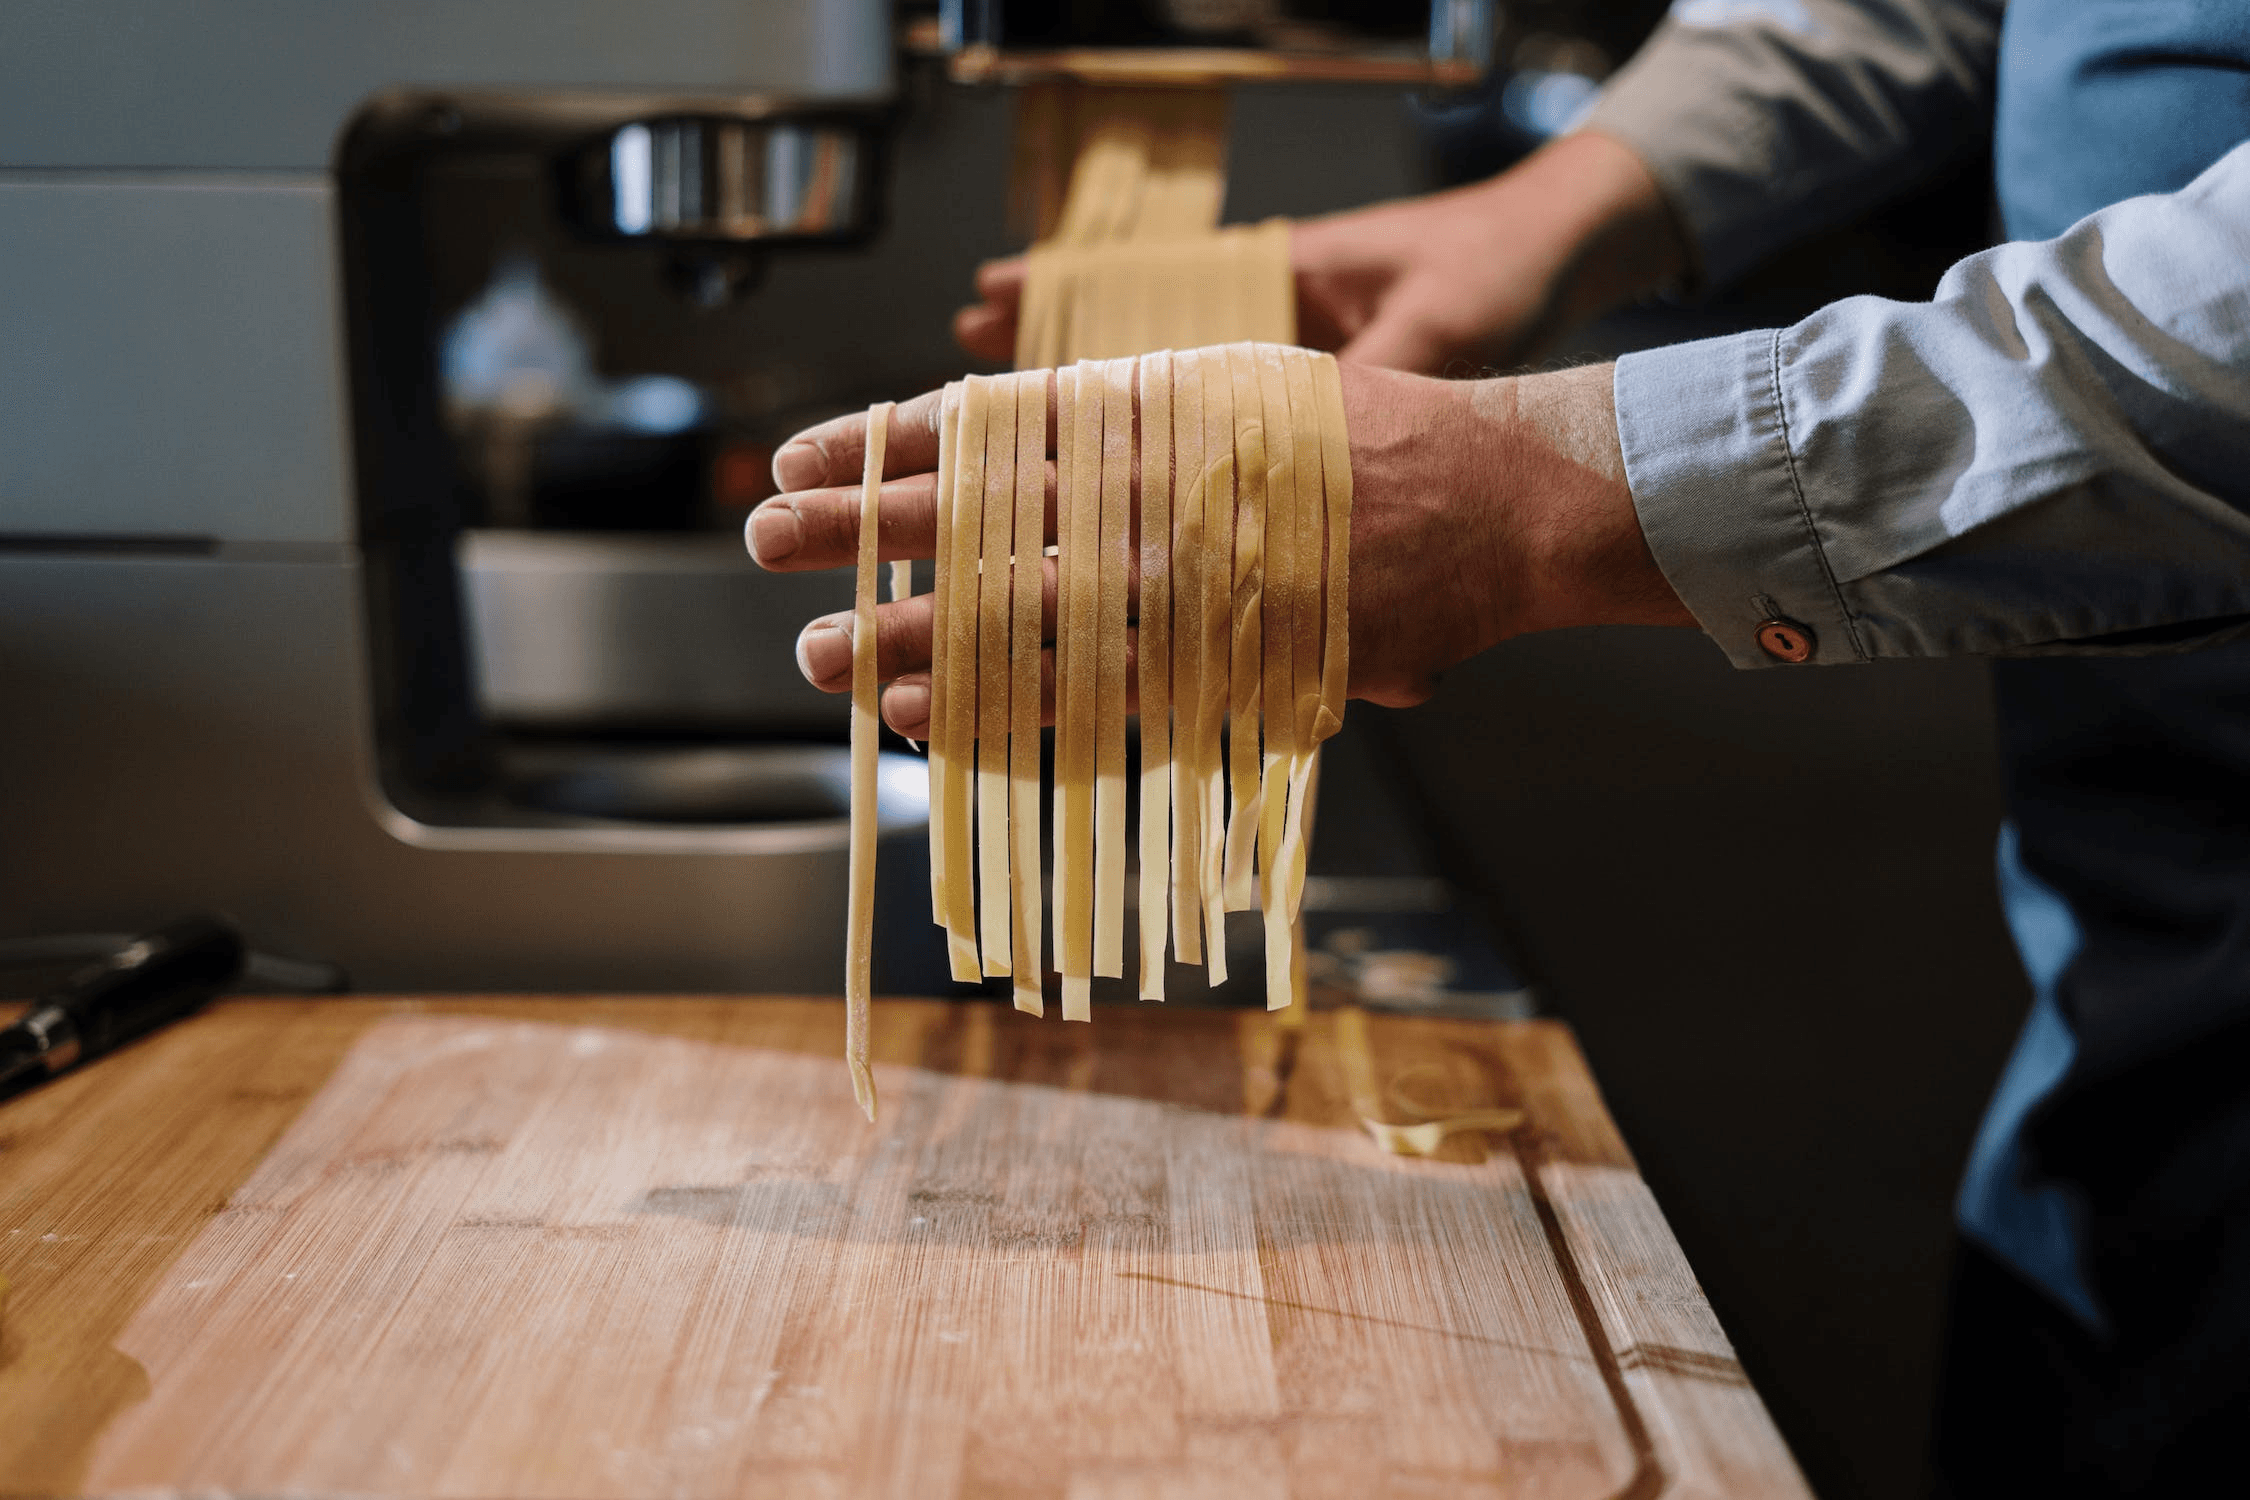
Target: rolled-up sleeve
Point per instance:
(1765, 120)
(2051, 455)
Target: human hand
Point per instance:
(1495, 272)
(1480, 510)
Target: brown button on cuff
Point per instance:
(1785, 640)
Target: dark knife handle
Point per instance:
(154, 979)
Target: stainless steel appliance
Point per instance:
(233, 668)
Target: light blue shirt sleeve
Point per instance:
(2051, 455)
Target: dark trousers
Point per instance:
(2032, 1404)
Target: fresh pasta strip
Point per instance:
(1075, 652)
(1154, 668)
(1063, 904)
(961, 683)
(859, 916)
(1305, 424)
(1187, 559)
(1245, 699)
(1106, 300)
(1278, 684)
(1336, 479)
(941, 595)
(1270, 291)
(1026, 570)
(1113, 572)
(1217, 650)
(992, 678)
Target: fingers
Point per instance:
(820, 528)
(902, 644)
(906, 703)
(833, 452)
(986, 331)
(902, 636)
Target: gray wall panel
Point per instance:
(170, 357)
(269, 83)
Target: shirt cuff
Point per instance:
(1706, 442)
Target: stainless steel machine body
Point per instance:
(188, 711)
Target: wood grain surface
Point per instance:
(592, 1248)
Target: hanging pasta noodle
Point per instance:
(1279, 675)
(1154, 667)
(1027, 584)
(959, 663)
(1078, 450)
(1216, 652)
(1235, 464)
(859, 915)
(1245, 702)
(993, 679)
(1187, 559)
(939, 745)
(1113, 572)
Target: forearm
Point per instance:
(2050, 456)
(1764, 124)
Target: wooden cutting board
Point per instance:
(591, 1249)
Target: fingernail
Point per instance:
(824, 651)
(906, 707)
(799, 465)
(775, 534)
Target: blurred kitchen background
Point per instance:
(381, 395)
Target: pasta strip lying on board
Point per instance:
(1154, 672)
(1026, 572)
(859, 914)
